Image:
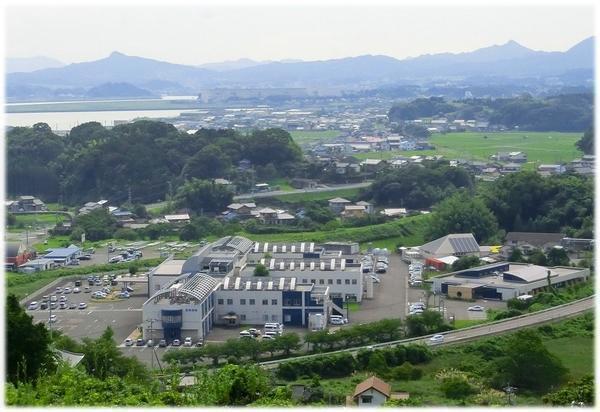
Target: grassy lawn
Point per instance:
(541, 147)
(408, 231)
(315, 196)
(39, 219)
(310, 136)
(283, 184)
(576, 353)
(53, 242)
(352, 306)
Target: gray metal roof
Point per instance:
(464, 244)
(198, 286)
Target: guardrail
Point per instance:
(447, 333)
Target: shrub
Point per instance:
(456, 387)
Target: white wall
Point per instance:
(255, 314)
(378, 398)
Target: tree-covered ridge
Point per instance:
(151, 158)
(563, 113)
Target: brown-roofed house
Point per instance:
(372, 392)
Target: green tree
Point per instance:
(558, 257)
(288, 342)
(377, 363)
(261, 270)
(28, 353)
(537, 257)
(516, 255)
(462, 213)
(586, 143)
(203, 196)
(209, 162)
(97, 224)
(456, 387)
(528, 364)
(465, 262)
(581, 390)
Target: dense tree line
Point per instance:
(417, 187)
(528, 202)
(562, 113)
(151, 158)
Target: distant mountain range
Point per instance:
(30, 64)
(508, 61)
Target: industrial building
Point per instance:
(504, 280)
(218, 285)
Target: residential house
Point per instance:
(181, 218)
(369, 208)
(25, 204)
(274, 217)
(394, 212)
(338, 204)
(262, 187)
(242, 209)
(89, 206)
(584, 166)
(354, 211)
(373, 165)
(549, 170)
(511, 157)
(373, 392)
(344, 168)
(528, 241)
(510, 168)
(300, 183)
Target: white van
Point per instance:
(245, 334)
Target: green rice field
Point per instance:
(541, 147)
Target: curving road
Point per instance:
(475, 332)
(315, 190)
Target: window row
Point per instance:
(265, 302)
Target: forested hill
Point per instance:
(149, 158)
(563, 113)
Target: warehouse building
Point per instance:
(217, 285)
(504, 281)
(182, 308)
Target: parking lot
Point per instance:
(123, 316)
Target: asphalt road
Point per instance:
(316, 190)
(463, 335)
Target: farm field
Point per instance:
(408, 231)
(309, 136)
(311, 197)
(541, 147)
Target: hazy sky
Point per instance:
(196, 35)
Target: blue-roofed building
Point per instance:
(63, 256)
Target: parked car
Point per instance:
(63, 298)
(162, 343)
(128, 342)
(72, 305)
(85, 257)
(43, 305)
(176, 342)
(77, 283)
(58, 289)
(476, 308)
(82, 305)
(53, 305)
(45, 298)
(140, 342)
(150, 343)
(33, 305)
(76, 290)
(245, 334)
(436, 339)
(115, 259)
(87, 289)
(52, 319)
(268, 337)
(187, 341)
(199, 344)
(125, 295)
(67, 290)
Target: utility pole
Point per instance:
(129, 195)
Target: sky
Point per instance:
(194, 35)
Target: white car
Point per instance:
(76, 290)
(33, 305)
(82, 305)
(67, 290)
(476, 308)
(187, 341)
(52, 319)
(436, 339)
(128, 342)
